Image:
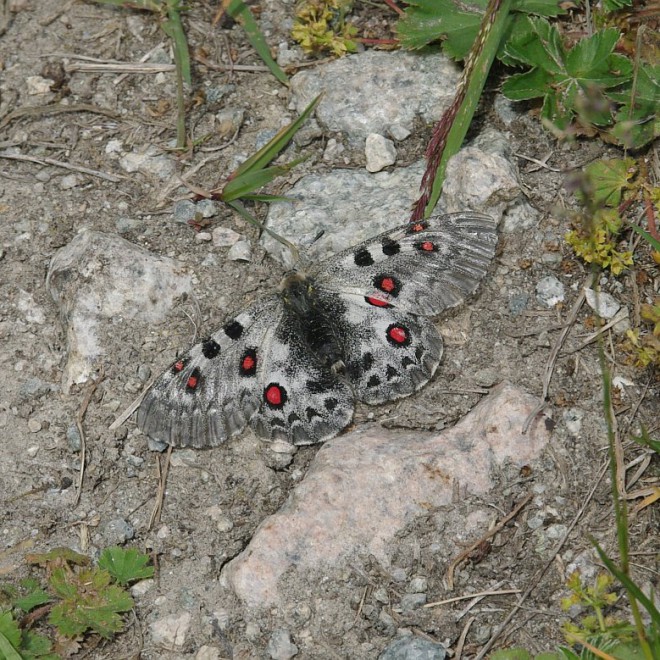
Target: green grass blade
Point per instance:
(655, 243)
(246, 183)
(278, 142)
(174, 29)
(238, 10)
(494, 27)
(629, 585)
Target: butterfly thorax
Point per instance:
(311, 317)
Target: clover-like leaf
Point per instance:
(126, 565)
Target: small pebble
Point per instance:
(225, 237)
(184, 211)
(32, 451)
(73, 438)
(605, 305)
(240, 251)
(118, 531)
(550, 291)
(34, 425)
(280, 646)
(380, 152)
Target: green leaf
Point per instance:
(93, 610)
(614, 5)
(61, 583)
(33, 599)
(244, 184)
(239, 11)
(608, 179)
(536, 43)
(58, 555)
(645, 439)
(653, 242)
(457, 23)
(173, 28)
(126, 565)
(633, 590)
(10, 636)
(638, 120)
(530, 85)
(425, 21)
(36, 646)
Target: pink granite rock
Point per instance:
(365, 486)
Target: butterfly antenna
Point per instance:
(242, 211)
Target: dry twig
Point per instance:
(464, 555)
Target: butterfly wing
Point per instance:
(303, 401)
(423, 268)
(210, 393)
(257, 370)
(390, 285)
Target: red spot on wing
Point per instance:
(178, 366)
(192, 382)
(427, 246)
(248, 364)
(387, 284)
(416, 227)
(398, 334)
(377, 302)
(275, 395)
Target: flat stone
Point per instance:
(380, 152)
(363, 92)
(550, 291)
(98, 278)
(171, 631)
(346, 506)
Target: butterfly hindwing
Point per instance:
(303, 401)
(424, 267)
(210, 393)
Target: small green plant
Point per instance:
(602, 187)
(77, 597)
(321, 26)
(643, 346)
(596, 599)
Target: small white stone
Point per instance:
(114, 147)
(140, 589)
(34, 425)
(70, 181)
(208, 653)
(203, 236)
(225, 237)
(280, 646)
(240, 251)
(573, 420)
(380, 152)
(605, 305)
(398, 132)
(33, 451)
(36, 85)
(171, 630)
(550, 291)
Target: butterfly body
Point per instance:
(355, 327)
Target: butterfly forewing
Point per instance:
(423, 267)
